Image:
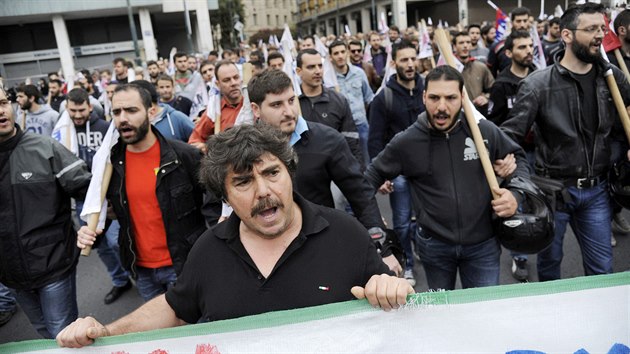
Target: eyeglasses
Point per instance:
(355, 50)
(593, 29)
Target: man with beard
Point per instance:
(154, 71)
(56, 96)
(276, 245)
(356, 58)
(323, 154)
(378, 53)
(453, 203)
(186, 80)
(393, 110)
(155, 195)
(477, 77)
(551, 42)
(323, 105)
(477, 51)
(519, 47)
(121, 68)
(497, 60)
(229, 82)
(574, 114)
(90, 133)
(622, 29)
(38, 176)
(33, 117)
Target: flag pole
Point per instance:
(616, 95)
(622, 63)
(445, 49)
(93, 218)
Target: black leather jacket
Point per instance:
(179, 195)
(552, 99)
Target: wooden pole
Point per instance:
(622, 63)
(93, 218)
(445, 49)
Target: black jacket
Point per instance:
(323, 156)
(503, 95)
(551, 98)
(179, 195)
(406, 105)
(332, 109)
(37, 240)
(449, 189)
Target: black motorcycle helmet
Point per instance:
(531, 229)
(619, 183)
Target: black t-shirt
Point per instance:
(332, 253)
(588, 105)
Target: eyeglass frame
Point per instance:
(593, 29)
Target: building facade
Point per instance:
(268, 14)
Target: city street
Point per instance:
(93, 283)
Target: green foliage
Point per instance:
(264, 35)
(225, 17)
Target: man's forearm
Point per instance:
(155, 314)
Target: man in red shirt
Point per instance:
(229, 82)
(155, 194)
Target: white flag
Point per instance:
(329, 76)
(213, 109)
(199, 99)
(539, 53)
(93, 203)
(245, 115)
(65, 133)
(426, 50)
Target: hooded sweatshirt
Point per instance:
(173, 124)
(41, 121)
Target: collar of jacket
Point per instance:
(168, 158)
(324, 97)
(396, 86)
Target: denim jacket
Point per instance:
(355, 86)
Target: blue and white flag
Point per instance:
(65, 133)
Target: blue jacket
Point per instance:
(173, 124)
(355, 86)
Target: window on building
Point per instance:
(278, 20)
(268, 20)
(255, 18)
(285, 19)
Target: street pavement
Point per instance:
(93, 282)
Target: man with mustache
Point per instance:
(277, 248)
(451, 197)
(393, 110)
(574, 115)
(155, 195)
(323, 154)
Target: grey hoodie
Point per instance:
(40, 122)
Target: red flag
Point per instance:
(611, 41)
(501, 26)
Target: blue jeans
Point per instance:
(589, 214)
(152, 282)
(108, 251)
(364, 129)
(400, 201)
(7, 299)
(52, 307)
(478, 264)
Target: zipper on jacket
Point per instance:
(459, 226)
(589, 167)
(128, 234)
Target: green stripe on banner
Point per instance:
(279, 318)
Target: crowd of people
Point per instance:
(223, 189)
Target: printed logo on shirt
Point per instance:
(26, 175)
(470, 152)
(510, 101)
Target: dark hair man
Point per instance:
(574, 118)
(378, 53)
(307, 43)
(206, 68)
(154, 71)
(230, 84)
(273, 233)
(519, 47)
(120, 70)
(323, 153)
(393, 110)
(455, 231)
(275, 60)
(323, 105)
(33, 117)
(185, 79)
(497, 60)
(622, 29)
(171, 123)
(38, 257)
(477, 50)
(488, 34)
(56, 96)
(213, 56)
(354, 85)
(477, 77)
(394, 34)
(355, 48)
(166, 88)
(155, 194)
(551, 42)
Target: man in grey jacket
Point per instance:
(37, 254)
(36, 118)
